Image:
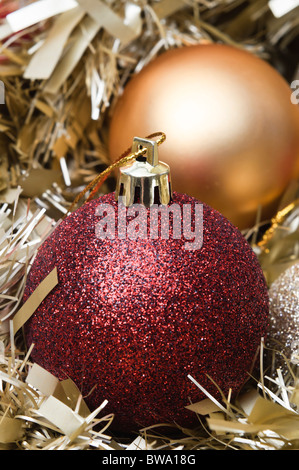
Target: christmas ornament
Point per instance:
(154, 287)
(284, 315)
(229, 120)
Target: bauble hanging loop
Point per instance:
(146, 181)
(125, 157)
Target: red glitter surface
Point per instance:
(130, 319)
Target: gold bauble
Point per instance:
(232, 130)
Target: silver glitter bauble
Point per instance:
(283, 333)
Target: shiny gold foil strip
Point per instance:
(34, 300)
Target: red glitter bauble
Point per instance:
(130, 319)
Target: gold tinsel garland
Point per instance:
(80, 59)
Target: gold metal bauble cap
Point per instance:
(145, 181)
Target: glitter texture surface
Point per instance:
(130, 319)
(284, 314)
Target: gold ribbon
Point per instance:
(277, 220)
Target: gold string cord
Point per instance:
(125, 157)
(276, 221)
